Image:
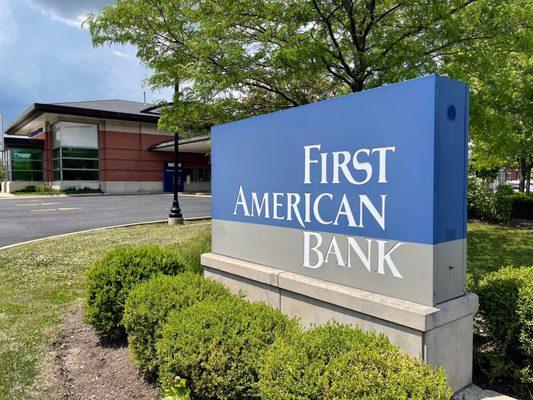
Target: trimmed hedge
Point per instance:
(505, 329)
(193, 248)
(522, 206)
(148, 305)
(112, 277)
(218, 346)
(337, 362)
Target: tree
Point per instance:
(238, 58)
(501, 76)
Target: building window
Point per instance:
(76, 164)
(24, 164)
(75, 156)
(197, 174)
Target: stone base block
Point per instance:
(439, 335)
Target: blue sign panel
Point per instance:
(366, 190)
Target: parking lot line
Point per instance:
(43, 209)
(69, 208)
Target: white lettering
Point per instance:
(386, 258)
(346, 210)
(277, 205)
(362, 166)
(342, 165)
(383, 161)
(308, 161)
(352, 244)
(241, 201)
(379, 217)
(293, 199)
(259, 208)
(334, 249)
(316, 211)
(308, 248)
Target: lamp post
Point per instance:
(175, 217)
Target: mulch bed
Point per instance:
(89, 369)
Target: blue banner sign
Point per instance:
(366, 190)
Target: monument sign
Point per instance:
(364, 192)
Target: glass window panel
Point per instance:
(80, 164)
(56, 153)
(57, 163)
(34, 154)
(79, 175)
(27, 175)
(57, 175)
(75, 134)
(79, 153)
(198, 174)
(27, 164)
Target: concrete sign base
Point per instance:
(440, 335)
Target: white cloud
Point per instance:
(70, 12)
(121, 54)
(9, 31)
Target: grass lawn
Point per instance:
(491, 247)
(39, 282)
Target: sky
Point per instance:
(46, 57)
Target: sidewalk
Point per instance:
(474, 392)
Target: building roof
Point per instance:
(114, 105)
(199, 144)
(17, 141)
(123, 110)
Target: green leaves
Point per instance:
(177, 391)
(500, 73)
(238, 58)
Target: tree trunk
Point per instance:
(528, 174)
(522, 170)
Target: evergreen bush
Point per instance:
(148, 305)
(337, 362)
(110, 279)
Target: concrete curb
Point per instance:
(31, 196)
(159, 221)
(37, 196)
(473, 392)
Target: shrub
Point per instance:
(194, 248)
(339, 362)
(480, 200)
(502, 202)
(148, 305)
(522, 206)
(217, 346)
(112, 277)
(85, 189)
(26, 189)
(505, 327)
(41, 188)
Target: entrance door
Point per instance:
(168, 177)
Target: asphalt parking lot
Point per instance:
(23, 219)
